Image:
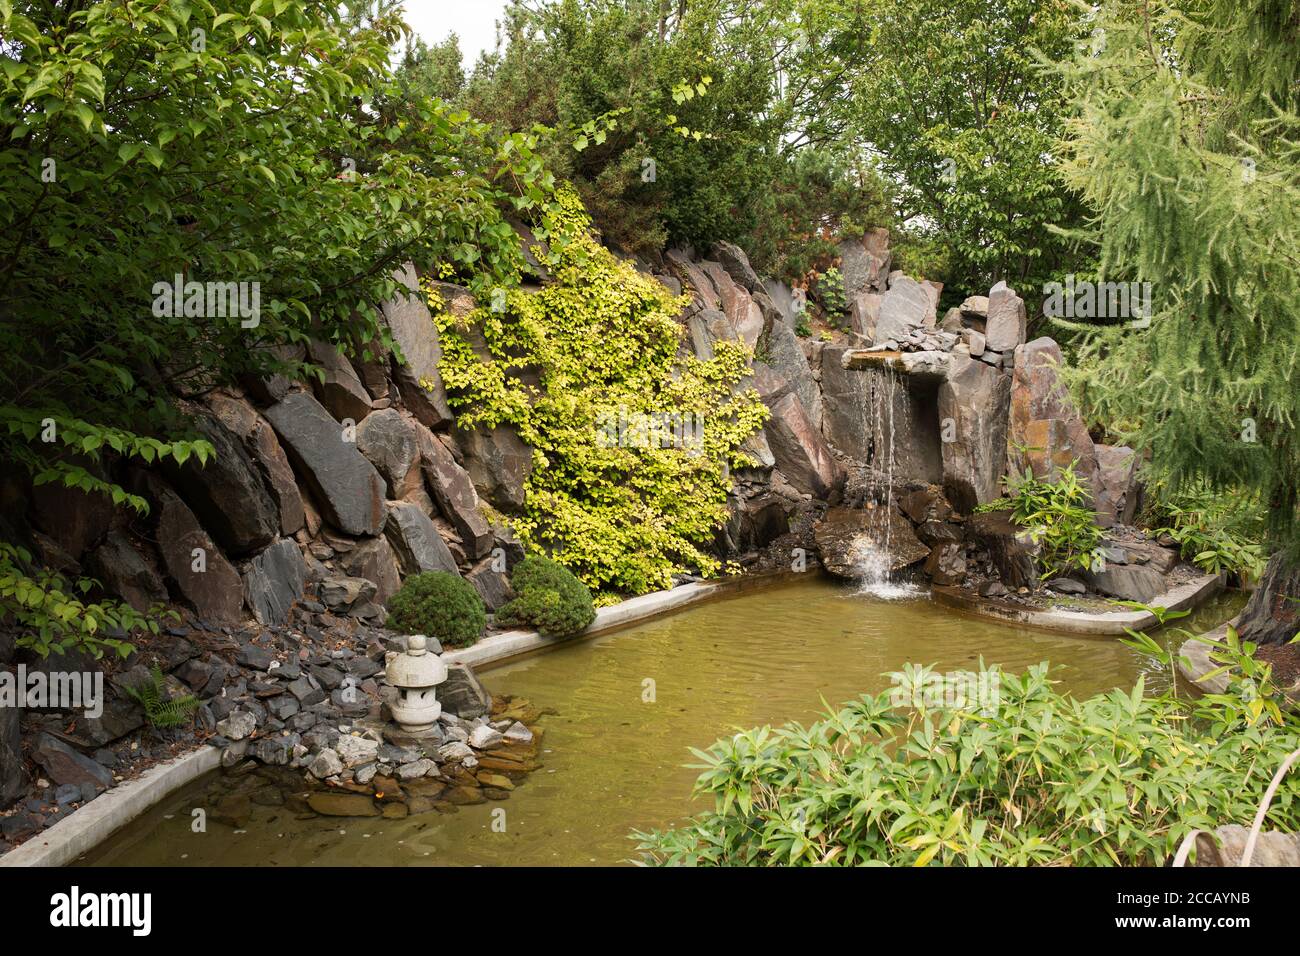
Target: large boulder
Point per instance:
(847, 536)
(864, 263)
(1128, 582)
(734, 260)
(64, 765)
(849, 421)
(124, 571)
(693, 279)
(493, 586)
(74, 519)
(498, 463)
(201, 573)
(1117, 493)
(373, 559)
(973, 431)
(1272, 615)
(258, 438)
(1045, 432)
(797, 445)
(462, 694)
(275, 579)
(228, 493)
(742, 312)
(349, 490)
(785, 356)
(416, 541)
(908, 305)
(339, 387)
(391, 444)
(453, 490)
(1226, 846)
(1005, 327)
(418, 379)
(1013, 553)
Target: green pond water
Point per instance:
(613, 762)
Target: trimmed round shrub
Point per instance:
(550, 599)
(438, 604)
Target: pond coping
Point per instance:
(89, 825)
(1184, 597)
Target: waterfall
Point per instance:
(872, 550)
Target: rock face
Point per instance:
(418, 380)
(390, 443)
(275, 579)
(973, 431)
(1272, 615)
(736, 262)
(1005, 327)
(906, 307)
(1046, 432)
(845, 535)
(122, 569)
(416, 541)
(453, 488)
(258, 438)
(66, 766)
(1117, 493)
(797, 445)
(864, 263)
(498, 463)
(340, 389)
(785, 357)
(203, 576)
(1127, 582)
(349, 490)
(1011, 551)
(373, 559)
(74, 519)
(228, 494)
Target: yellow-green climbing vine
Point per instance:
(600, 345)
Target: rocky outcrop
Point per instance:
(392, 445)
(1272, 615)
(373, 559)
(416, 541)
(845, 536)
(73, 519)
(453, 488)
(905, 307)
(339, 387)
(349, 490)
(418, 380)
(798, 448)
(126, 572)
(259, 441)
(228, 493)
(274, 581)
(1006, 322)
(1046, 432)
(1010, 549)
(972, 407)
(203, 577)
(1118, 495)
(498, 463)
(864, 263)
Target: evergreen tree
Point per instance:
(1187, 144)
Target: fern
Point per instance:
(161, 709)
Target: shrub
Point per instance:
(1214, 530)
(1038, 778)
(438, 604)
(550, 598)
(1059, 518)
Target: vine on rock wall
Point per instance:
(632, 441)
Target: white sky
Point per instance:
(474, 21)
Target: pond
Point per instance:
(614, 753)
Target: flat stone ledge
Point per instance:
(88, 826)
(509, 644)
(1183, 597)
(1197, 660)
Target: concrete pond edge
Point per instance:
(1184, 597)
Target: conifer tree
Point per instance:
(1187, 145)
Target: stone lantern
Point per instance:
(415, 674)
